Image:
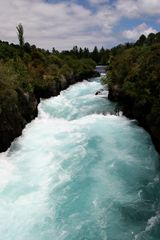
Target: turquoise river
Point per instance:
(79, 172)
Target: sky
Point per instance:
(63, 24)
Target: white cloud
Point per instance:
(127, 8)
(61, 25)
(138, 8)
(134, 33)
(151, 7)
(68, 23)
(98, 1)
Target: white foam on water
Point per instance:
(77, 172)
(152, 222)
(6, 170)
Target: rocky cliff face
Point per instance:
(15, 116)
(21, 111)
(141, 113)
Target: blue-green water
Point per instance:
(78, 174)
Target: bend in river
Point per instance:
(78, 173)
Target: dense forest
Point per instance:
(33, 69)
(134, 81)
(28, 73)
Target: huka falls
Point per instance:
(80, 120)
(79, 171)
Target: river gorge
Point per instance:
(79, 172)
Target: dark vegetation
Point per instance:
(28, 73)
(101, 56)
(134, 81)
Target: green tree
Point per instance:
(151, 38)
(20, 33)
(141, 41)
(86, 52)
(95, 55)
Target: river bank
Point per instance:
(23, 110)
(132, 110)
(77, 173)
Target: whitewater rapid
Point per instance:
(79, 172)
